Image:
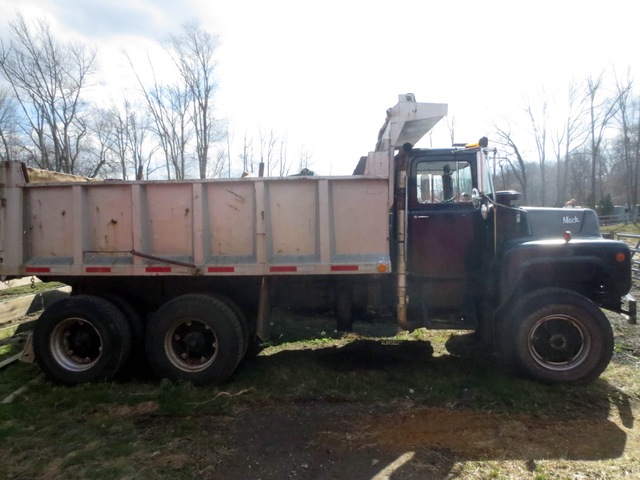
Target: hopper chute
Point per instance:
(408, 121)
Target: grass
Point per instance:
(10, 342)
(145, 428)
(6, 350)
(98, 431)
(11, 346)
(12, 338)
(28, 289)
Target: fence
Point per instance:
(618, 218)
(634, 244)
(611, 219)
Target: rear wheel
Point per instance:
(133, 317)
(195, 338)
(559, 336)
(137, 361)
(247, 332)
(81, 339)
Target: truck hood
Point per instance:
(553, 222)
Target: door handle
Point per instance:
(421, 216)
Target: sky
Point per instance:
(324, 73)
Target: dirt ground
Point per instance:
(338, 441)
(323, 440)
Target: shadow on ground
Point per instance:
(424, 435)
(326, 440)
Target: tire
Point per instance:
(558, 336)
(244, 323)
(134, 320)
(194, 338)
(81, 339)
(137, 360)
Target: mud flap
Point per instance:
(630, 311)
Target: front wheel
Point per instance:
(559, 336)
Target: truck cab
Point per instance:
(530, 281)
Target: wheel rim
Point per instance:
(559, 342)
(76, 344)
(191, 345)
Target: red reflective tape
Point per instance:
(38, 270)
(221, 269)
(98, 269)
(158, 269)
(344, 268)
(283, 268)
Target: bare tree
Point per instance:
(568, 138)
(103, 143)
(267, 150)
(117, 125)
(305, 158)
(601, 111)
(8, 122)
(217, 167)
(539, 124)
(128, 128)
(193, 54)
(228, 140)
(48, 79)
(169, 107)
(451, 126)
(579, 175)
(246, 157)
(509, 150)
(628, 111)
(138, 130)
(283, 164)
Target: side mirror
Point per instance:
(476, 198)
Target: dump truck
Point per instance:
(186, 273)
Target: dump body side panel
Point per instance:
(311, 225)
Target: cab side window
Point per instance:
(443, 182)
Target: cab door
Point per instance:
(444, 241)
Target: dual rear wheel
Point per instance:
(81, 339)
(195, 338)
